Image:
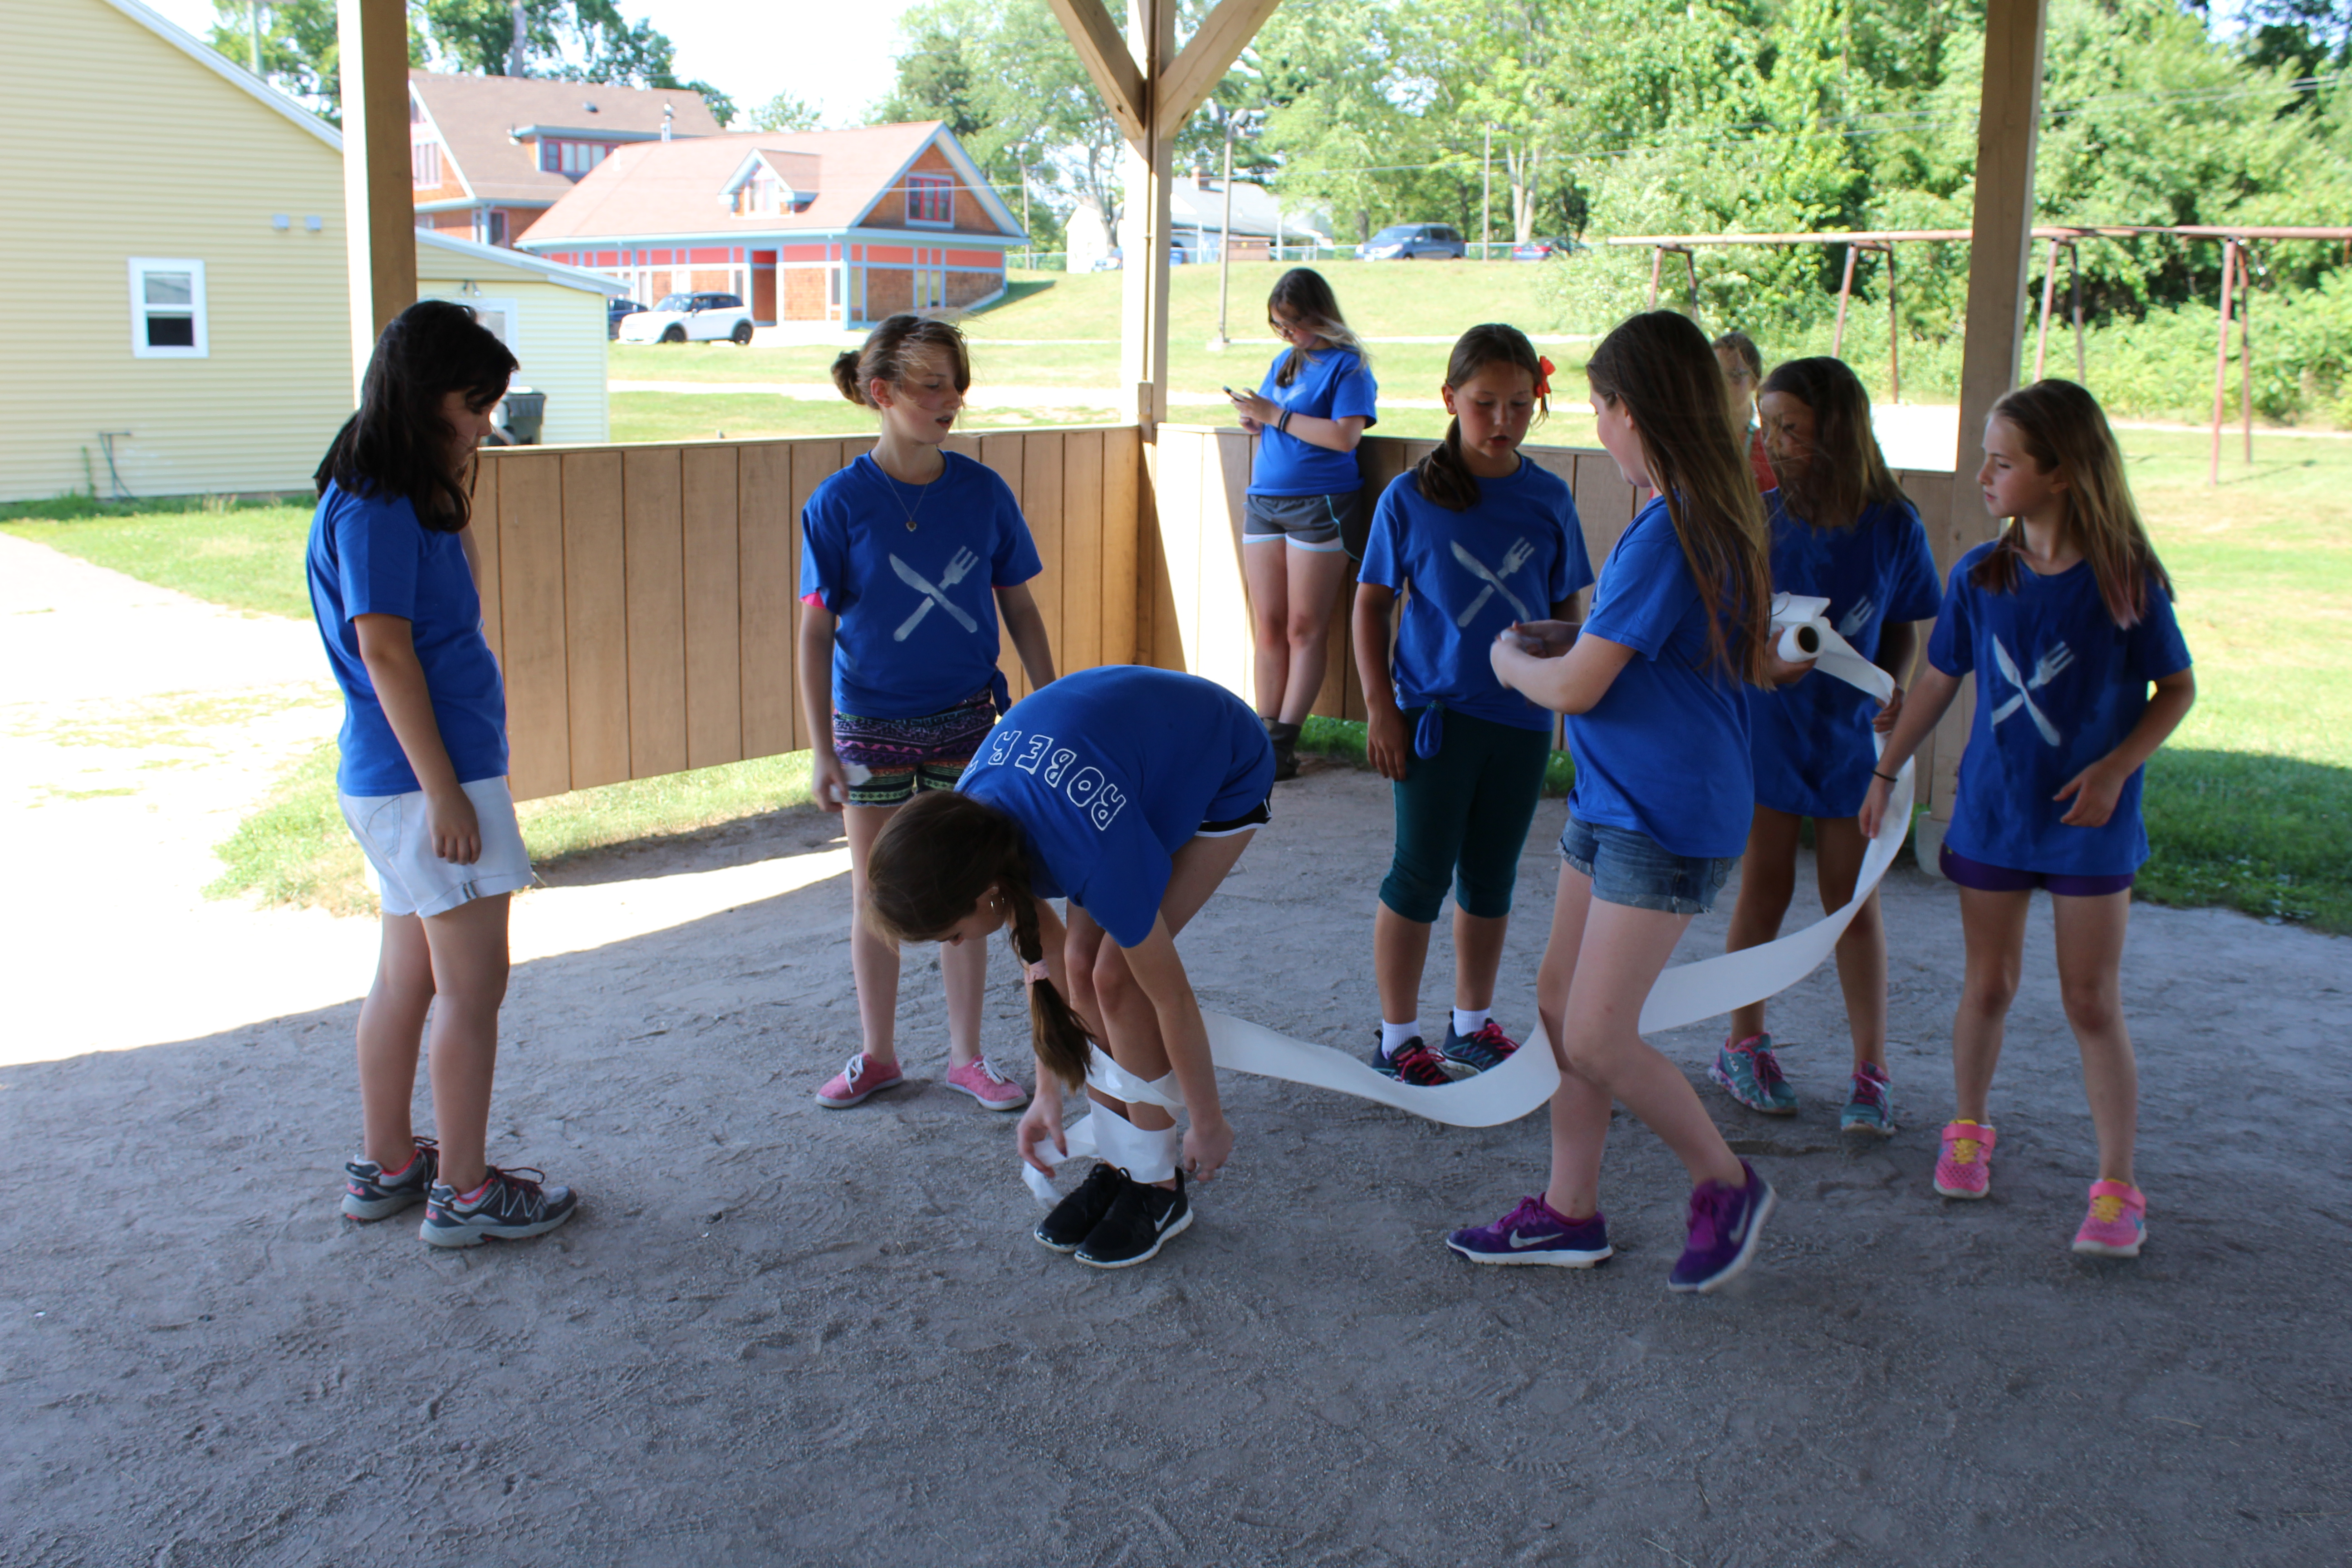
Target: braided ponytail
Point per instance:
(1444, 476)
(933, 862)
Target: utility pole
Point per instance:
(515, 46)
(253, 27)
(1021, 151)
(1219, 343)
(1487, 197)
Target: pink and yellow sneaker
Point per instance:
(2117, 1223)
(1964, 1168)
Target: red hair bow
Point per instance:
(1543, 382)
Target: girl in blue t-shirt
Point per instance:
(1483, 538)
(394, 587)
(1130, 792)
(2065, 620)
(1658, 725)
(1842, 531)
(1304, 495)
(907, 557)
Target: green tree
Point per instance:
(575, 40)
(786, 112)
(299, 49)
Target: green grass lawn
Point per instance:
(2250, 808)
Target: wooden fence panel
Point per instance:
(595, 618)
(812, 462)
(767, 527)
(530, 606)
(485, 552)
(654, 532)
(711, 595)
(1125, 587)
(1079, 645)
(1044, 454)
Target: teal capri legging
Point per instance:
(1462, 817)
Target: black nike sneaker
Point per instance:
(1139, 1223)
(1075, 1216)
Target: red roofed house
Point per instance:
(845, 227)
(488, 153)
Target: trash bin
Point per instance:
(524, 412)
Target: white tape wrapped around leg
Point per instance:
(1111, 1137)
(1145, 1155)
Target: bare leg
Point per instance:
(1268, 577)
(1399, 953)
(2090, 979)
(1838, 850)
(1994, 927)
(1477, 957)
(469, 980)
(1315, 579)
(1767, 879)
(872, 962)
(392, 1030)
(964, 965)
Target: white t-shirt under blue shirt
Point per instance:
(2059, 686)
(1664, 752)
(1109, 772)
(1511, 557)
(1335, 385)
(1811, 740)
(915, 609)
(368, 555)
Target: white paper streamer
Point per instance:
(1683, 994)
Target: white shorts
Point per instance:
(413, 879)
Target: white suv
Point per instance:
(690, 318)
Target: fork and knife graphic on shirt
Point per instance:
(959, 566)
(1518, 555)
(2045, 670)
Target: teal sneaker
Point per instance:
(1749, 1070)
(1870, 1106)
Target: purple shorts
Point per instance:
(1984, 879)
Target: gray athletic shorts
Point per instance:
(1308, 523)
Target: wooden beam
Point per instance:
(1206, 59)
(1144, 228)
(1105, 55)
(379, 213)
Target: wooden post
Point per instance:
(1143, 228)
(2049, 294)
(1690, 264)
(1657, 260)
(1894, 334)
(2246, 345)
(2222, 361)
(2074, 275)
(379, 214)
(2008, 124)
(1846, 292)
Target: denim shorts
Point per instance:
(1635, 870)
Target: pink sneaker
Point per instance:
(854, 1081)
(2117, 1222)
(1964, 1168)
(980, 1079)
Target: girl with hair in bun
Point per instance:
(1657, 719)
(1130, 792)
(909, 556)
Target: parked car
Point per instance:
(1411, 241)
(690, 318)
(614, 311)
(1545, 249)
(1117, 258)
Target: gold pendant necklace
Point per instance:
(923, 492)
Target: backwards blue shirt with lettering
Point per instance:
(2059, 685)
(1111, 771)
(1511, 557)
(915, 609)
(1335, 385)
(1664, 752)
(1810, 741)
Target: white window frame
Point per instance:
(141, 268)
(943, 185)
(425, 158)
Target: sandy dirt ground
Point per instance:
(780, 1334)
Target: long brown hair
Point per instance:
(1845, 472)
(1658, 367)
(398, 443)
(883, 356)
(1445, 475)
(931, 866)
(1307, 294)
(2063, 428)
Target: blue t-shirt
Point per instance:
(1664, 752)
(1334, 384)
(1511, 557)
(370, 556)
(915, 629)
(2059, 685)
(1111, 771)
(1811, 740)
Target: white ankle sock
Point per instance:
(1468, 1021)
(1394, 1037)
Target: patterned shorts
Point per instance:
(903, 755)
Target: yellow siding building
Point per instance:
(173, 306)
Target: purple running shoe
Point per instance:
(1726, 1224)
(1535, 1232)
